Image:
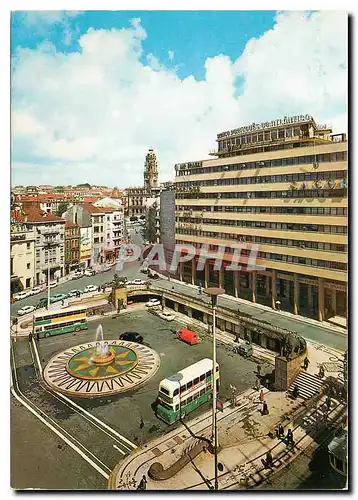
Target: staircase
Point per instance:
(307, 384)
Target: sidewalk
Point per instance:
(243, 443)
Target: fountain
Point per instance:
(102, 355)
(101, 367)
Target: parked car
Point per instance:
(74, 293)
(131, 337)
(53, 284)
(153, 303)
(153, 276)
(188, 336)
(59, 296)
(107, 267)
(12, 300)
(136, 282)
(77, 275)
(90, 288)
(36, 290)
(21, 295)
(168, 316)
(89, 272)
(26, 310)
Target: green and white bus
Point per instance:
(185, 391)
(56, 322)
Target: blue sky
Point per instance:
(192, 36)
(93, 91)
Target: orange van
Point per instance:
(188, 336)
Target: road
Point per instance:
(312, 332)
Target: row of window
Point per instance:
(267, 210)
(329, 177)
(279, 162)
(342, 266)
(284, 226)
(269, 135)
(286, 258)
(60, 315)
(303, 193)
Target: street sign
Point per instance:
(219, 405)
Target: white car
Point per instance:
(36, 290)
(53, 284)
(90, 288)
(26, 310)
(136, 282)
(153, 303)
(21, 295)
(89, 272)
(168, 316)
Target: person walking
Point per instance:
(257, 384)
(142, 484)
(295, 392)
(306, 362)
(289, 436)
(328, 403)
(200, 288)
(281, 432)
(321, 372)
(265, 410)
(269, 459)
(262, 396)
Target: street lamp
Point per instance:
(213, 292)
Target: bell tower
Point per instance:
(150, 171)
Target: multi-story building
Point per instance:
(72, 246)
(49, 232)
(114, 226)
(167, 221)
(136, 201)
(22, 256)
(91, 221)
(280, 185)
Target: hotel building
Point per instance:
(281, 185)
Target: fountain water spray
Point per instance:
(101, 346)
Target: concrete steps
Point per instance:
(307, 384)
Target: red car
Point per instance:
(12, 300)
(188, 336)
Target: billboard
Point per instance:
(85, 243)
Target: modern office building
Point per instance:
(281, 185)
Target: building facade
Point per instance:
(150, 171)
(136, 201)
(282, 186)
(167, 222)
(22, 257)
(72, 246)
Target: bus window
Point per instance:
(164, 391)
(196, 380)
(189, 384)
(202, 392)
(217, 368)
(189, 400)
(202, 377)
(183, 388)
(208, 388)
(176, 392)
(208, 374)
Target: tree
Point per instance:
(62, 207)
(86, 185)
(59, 189)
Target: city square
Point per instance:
(179, 285)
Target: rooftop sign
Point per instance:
(287, 120)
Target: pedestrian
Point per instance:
(262, 396)
(321, 372)
(295, 392)
(306, 362)
(269, 459)
(328, 403)
(142, 484)
(258, 369)
(62, 302)
(257, 384)
(289, 436)
(265, 410)
(278, 305)
(30, 337)
(281, 432)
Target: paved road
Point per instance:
(313, 332)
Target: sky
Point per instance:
(92, 91)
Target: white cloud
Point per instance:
(99, 110)
(170, 55)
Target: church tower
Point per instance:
(150, 171)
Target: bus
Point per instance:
(185, 391)
(56, 322)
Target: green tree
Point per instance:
(59, 189)
(62, 207)
(86, 185)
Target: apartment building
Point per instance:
(114, 226)
(72, 246)
(281, 185)
(22, 257)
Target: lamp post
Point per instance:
(213, 292)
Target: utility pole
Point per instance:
(213, 292)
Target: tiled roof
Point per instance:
(70, 224)
(33, 214)
(92, 209)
